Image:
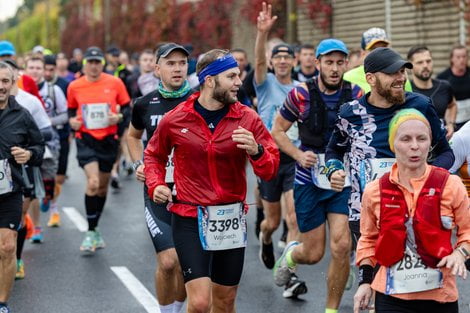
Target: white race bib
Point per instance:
(222, 227)
(6, 181)
(95, 115)
(319, 172)
(170, 169)
(372, 169)
(47, 153)
(463, 111)
(411, 275)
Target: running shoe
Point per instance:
(282, 272)
(37, 236)
(294, 287)
(4, 308)
(115, 182)
(266, 252)
(19, 269)
(88, 245)
(45, 205)
(54, 220)
(99, 242)
(351, 279)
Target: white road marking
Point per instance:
(137, 289)
(76, 218)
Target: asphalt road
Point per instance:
(119, 278)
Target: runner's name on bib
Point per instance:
(6, 181)
(319, 172)
(95, 115)
(222, 227)
(411, 275)
(170, 169)
(463, 111)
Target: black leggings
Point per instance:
(224, 267)
(389, 304)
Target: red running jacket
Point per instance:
(209, 168)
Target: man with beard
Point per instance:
(438, 90)
(458, 76)
(172, 68)
(362, 130)
(271, 90)
(315, 105)
(212, 135)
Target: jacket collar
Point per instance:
(13, 104)
(188, 106)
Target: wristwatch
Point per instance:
(136, 164)
(260, 152)
(464, 252)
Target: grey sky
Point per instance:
(8, 8)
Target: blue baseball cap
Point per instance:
(329, 45)
(6, 48)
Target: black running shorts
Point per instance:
(63, 156)
(10, 210)
(158, 220)
(222, 267)
(102, 151)
(272, 190)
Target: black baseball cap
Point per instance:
(93, 53)
(283, 47)
(113, 50)
(49, 59)
(168, 48)
(12, 63)
(385, 60)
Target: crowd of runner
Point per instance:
(373, 152)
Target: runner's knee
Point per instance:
(198, 304)
(8, 248)
(168, 263)
(312, 254)
(341, 247)
(93, 184)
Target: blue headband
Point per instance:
(218, 66)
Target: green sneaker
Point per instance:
(19, 269)
(281, 271)
(99, 242)
(89, 243)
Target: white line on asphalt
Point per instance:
(79, 221)
(137, 289)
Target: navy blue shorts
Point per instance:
(312, 204)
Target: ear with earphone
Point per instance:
(85, 61)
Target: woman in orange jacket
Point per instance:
(406, 226)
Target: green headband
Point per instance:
(401, 117)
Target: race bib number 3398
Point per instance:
(222, 227)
